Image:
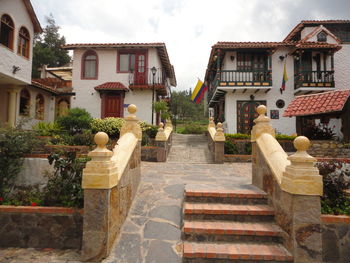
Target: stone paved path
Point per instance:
(151, 232)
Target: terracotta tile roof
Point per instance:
(303, 23)
(309, 44)
(162, 51)
(320, 103)
(111, 86)
(53, 85)
(249, 44)
(33, 17)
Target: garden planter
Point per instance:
(67, 148)
(41, 227)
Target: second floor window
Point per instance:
(89, 65)
(6, 31)
(126, 62)
(251, 61)
(23, 42)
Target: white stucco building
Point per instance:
(109, 77)
(242, 75)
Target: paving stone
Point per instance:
(170, 213)
(130, 227)
(161, 252)
(128, 249)
(175, 191)
(161, 231)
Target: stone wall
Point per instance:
(335, 238)
(328, 149)
(149, 153)
(297, 215)
(41, 227)
(237, 158)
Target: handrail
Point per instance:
(163, 134)
(217, 135)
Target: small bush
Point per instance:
(14, 144)
(64, 185)
(75, 121)
(334, 200)
(285, 137)
(319, 132)
(237, 136)
(47, 129)
(110, 125)
(230, 148)
(192, 129)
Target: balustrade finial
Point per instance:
(301, 143)
(132, 109)
(101, 139)
(261, 109)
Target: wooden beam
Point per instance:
(244, 90)
(257, 91)
(308, 92)
(267, 90)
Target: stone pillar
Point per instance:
(262, 125)
(219, 144)
(161, 141)
(304, 185)
(97, 201)
(12, 102)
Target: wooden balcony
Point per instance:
(314, 80)
(146, 81)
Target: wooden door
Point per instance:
(246, 113)
(140, 69)
(113, 106)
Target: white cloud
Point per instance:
(188, 27)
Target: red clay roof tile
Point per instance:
(111, 86)
(331, 101)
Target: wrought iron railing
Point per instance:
(147, 77)
(314, 79)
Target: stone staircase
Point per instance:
(230, 226)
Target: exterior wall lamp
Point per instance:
(281, 58)
(15, 69)
(154, 71)
(232, 58)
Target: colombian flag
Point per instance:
(284, 79)
(199, 92)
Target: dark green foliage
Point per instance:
(334, 200)
(14, 144)
(248, 148)
(192, 128)
(230, 148)
(47, 128)
(64, 185)
(24, 195)
(285, 137)
(75, 121)
(319, 132)
(151, 131)
(47, 48)
(237, 136)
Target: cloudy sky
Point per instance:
(188, 27)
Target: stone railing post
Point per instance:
(110, 181)
(219, 144)
(163, 141)
(211, 123)
(304, 184)
(96, 201)
(262, 125)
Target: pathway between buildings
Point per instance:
(152, 230)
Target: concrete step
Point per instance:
(221, 231)
(239, 252)
(240, 196)
(216, 211)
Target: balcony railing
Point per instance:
(317, 79)
(146, 77)
(244, 78)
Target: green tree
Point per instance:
(47, 48)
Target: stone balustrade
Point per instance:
(110, 181)
(216, 141)
(294, 187)
(164, 140)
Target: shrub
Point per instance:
(75, 121)
(230, 148)
(334, 200)
(237, 136)
(14, 144)
(319, 132)
(192, 128)
(285, 137)
(64, 185)
(47, 129)
(110, 125)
